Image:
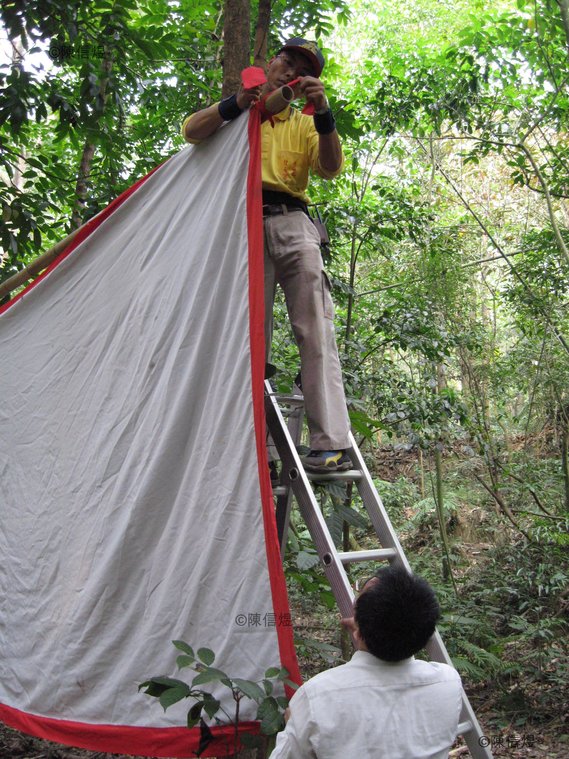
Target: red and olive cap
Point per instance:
(308, 49)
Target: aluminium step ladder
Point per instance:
(295, 480)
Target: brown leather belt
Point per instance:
(276, 209)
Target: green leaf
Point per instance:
(184, 661)
(206, 655)
(181, 646)
(173, 695)
(211, 705)
(351, 516)
(195, 713)
(270, 716)
(250, 689)
(306, 560)
(158, 685)
(210, 675)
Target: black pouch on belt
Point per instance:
(318, 222)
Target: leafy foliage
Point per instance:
(170, 691)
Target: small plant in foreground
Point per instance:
(270, 711)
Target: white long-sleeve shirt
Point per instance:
(373, 709)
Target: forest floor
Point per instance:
(543, 735)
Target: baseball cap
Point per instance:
(307, 48)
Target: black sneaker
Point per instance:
(326, 461)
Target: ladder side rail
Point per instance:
(283, 492)
(284, 501)
(435, 647)
(374, 505)
(310, 510)
(437, 651)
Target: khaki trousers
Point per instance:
(293, 260)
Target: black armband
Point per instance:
(228, 108)
(324, 123)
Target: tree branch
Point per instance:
(506, 258)
(560, 241)
(564, 8)
(503, 506)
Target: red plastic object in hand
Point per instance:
(253, 76)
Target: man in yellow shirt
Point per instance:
(291, 147)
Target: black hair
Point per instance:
(397, 614)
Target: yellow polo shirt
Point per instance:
(289, 150)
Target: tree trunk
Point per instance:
(352, 280)
(262, 34)
(82, 185)
(439, 492)
(440, 506)
(236, 44)
(421, 474)
(565, 460)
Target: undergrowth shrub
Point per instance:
(397, 496)
(508, 625)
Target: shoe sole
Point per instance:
(323, 468)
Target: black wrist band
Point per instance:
(324, 123)
(228, 108)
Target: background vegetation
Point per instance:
(450, 266)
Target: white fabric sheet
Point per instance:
(130, 507)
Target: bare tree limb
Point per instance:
(503, 506)
(556, 231)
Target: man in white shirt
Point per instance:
(384, 702)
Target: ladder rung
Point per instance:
(288, 400)
(464, 727)
(377, 554)
(351, 475)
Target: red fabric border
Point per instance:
(124, 739)
(257, 340)
(84, 232)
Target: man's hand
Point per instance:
(313, 90)
(246, 97)
(329, 148)
(349, 624)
